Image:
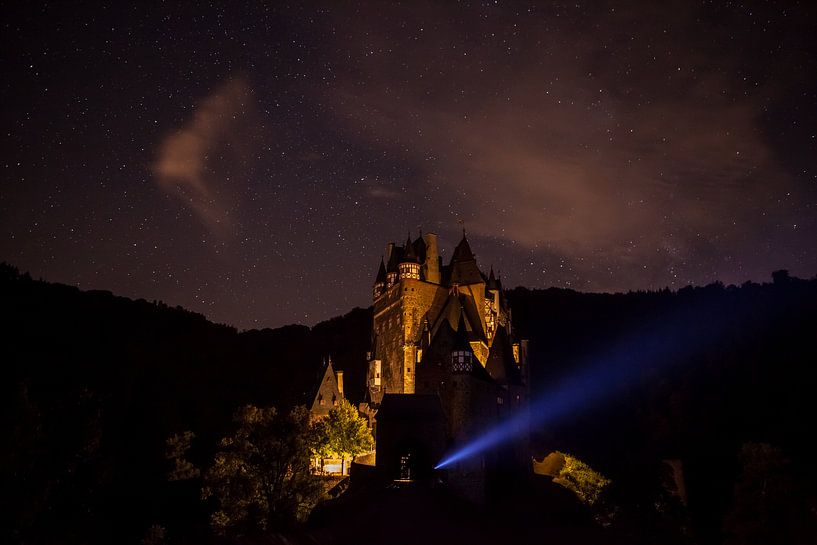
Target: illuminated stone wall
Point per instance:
(398, 320)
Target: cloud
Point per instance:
(575, 142)
(184, 165)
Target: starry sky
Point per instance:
(251, 162)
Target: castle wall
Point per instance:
(398, 320)
(387, 325)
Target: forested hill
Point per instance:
(96, 383)
(722, 378)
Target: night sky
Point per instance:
(251, 163)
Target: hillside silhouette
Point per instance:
(96, 384)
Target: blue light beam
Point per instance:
(605, 377)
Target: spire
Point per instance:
(463, 268)
(463, 250)
(501, 365)
(391, 266)
(492, 281)
(461, 335)
(409, 254)
(381, 273)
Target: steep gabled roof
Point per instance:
(463, 268)
(381, 273)
(492, 283)
(327, 391)
(420, 249)
(394, 259)
(461, 341)
(463, 251)
(455, 306)
(501, 365)
(446, 339)
(408, 252)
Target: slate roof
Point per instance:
(500, 364)
(492, 283)
(409, 254)
(328, 390)
(454, 307)
(463, 268)
(457, 340)
(381, 273)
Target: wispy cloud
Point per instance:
(184, 168)
(584, 154)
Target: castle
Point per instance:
(443, 332)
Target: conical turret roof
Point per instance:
(394, 260)
(501, 365)
(463, 265)
(409, 255)
(492, 282)
(381, 273)
(463, 251)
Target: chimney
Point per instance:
(339, 377)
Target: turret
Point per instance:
(391, 265)
(380, 280)
(463, 265)
(409, 266)
(431, 266)
(492, 284)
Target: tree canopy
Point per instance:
(261, 477)
(343, 433)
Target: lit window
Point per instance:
(461, 361)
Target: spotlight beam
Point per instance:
(604, 377)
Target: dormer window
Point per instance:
(461, 361)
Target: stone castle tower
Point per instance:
(445, 330)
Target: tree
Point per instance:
(582, 479)
(260, 476)
(771, 504)
(176, 451)
(343, 433)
